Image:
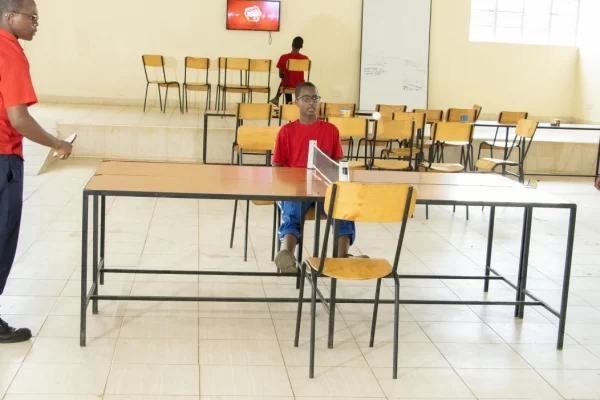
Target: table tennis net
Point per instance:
(329, 170)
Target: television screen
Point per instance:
(248, 15)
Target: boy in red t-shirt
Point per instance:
(290, 79)
(291, 150)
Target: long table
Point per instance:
(572, 127)
(193, 181)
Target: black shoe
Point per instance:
(8, 334)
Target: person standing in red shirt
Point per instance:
(290, 79)
(291, 150)
(18, 20)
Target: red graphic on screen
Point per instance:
(253, 15)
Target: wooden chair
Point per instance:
(387, 111)
(522, 142)
(249, 112)
(260, 67)
(505, 117)
(390, 131)
(431, 116)
(361, 203)
(455, 114)
(458, 134)
(255, 139)
(197, 64)
(225, 84)
(154, 61)
(477, 109)
(328, 110)
(418, 144)
(288, 112)
(293, 65)
(349, 128)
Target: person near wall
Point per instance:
(598, 183)
(18, 20)
(290, 79)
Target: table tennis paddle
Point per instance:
(70, 139)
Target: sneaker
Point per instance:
(8, 334)
(286, 262)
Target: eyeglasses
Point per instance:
(310, 99)
(33, 17)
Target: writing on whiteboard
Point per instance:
(374, 70)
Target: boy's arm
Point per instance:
(281, 66)
(280, 155)
(338, 152)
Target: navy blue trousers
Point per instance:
(11, 206)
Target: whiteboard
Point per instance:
(394, 65)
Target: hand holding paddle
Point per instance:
(63, 151)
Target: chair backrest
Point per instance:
(260, 65)
(154, 61)
(477, 109)
(526, 128)
(419, 118)
(234, 64)
(353, 126)
(257, 138)
(196, 63)
(388, 129)
(511, 117)
(298, 65)
(254, 112)
(452, 132)
(454, 114)
(431, 115)
(335, 109)
(288, 112)
(387, 111)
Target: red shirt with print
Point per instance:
(291, 79)
(291, 146)
(16, 89)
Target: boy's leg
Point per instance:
(288, 98)
(346, 238)
(289, 234)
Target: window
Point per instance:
(525, 21)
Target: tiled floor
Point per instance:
(226, 351)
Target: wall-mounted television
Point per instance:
(248, 15)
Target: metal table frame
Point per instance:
(572, 127)
(99, 269)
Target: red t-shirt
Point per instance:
(291, 146)
(16, 89)
(291, 79)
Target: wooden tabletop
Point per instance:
(266, 183)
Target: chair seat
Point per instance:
(393, 165)
(353, 269)
(354, 165)
(489, 144)
(287, 90)
(405, 151)
(260, 89)
(345, 138)
(489, 164)
(455, 144)
(197, 86)
(235, 88)
(444, 167)
(262, 202)
(165, 84)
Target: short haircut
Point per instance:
(298, 42)
(10, 5)
(302, 86)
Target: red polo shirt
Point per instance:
(16, 89)
(291, 146)
(291, 79)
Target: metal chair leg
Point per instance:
(146, 96)
(246, 230)
(166, 96)
(274, 239)
(396, 318)
(160, 98)
(331, 311)
(375, 309)
(233, 223)
(313, 312)
(300, 300)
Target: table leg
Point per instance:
(505, 150)
(95, 253)
(102, 237)
(488, 258)
(566, 278)
(204, 138)
(524, 261)
(84, 239)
